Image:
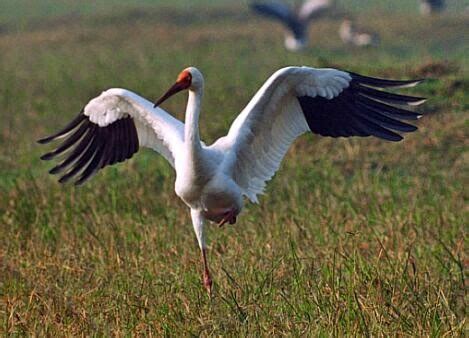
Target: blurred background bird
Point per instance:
(296, 19)
(429, 7)
(355, 36)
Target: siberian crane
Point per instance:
(213, 180)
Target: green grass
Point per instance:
(353, 237)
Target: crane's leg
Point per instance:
(198, 222)
(207, 278)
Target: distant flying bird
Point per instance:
(213, 180)
(428, 7)
(351, 35)
(296, 20)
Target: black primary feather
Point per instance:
(90, 147)
(361, 110)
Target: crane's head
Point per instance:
(190, 78)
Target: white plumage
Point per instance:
(275, 111)
(156, 129)
(212, 180)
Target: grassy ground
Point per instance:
(354, 237)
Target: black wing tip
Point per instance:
(63, 179)
(418, 100)
(409, 83)
(95, 150)
(43, 140)
(388, 97)
(79, 182)
(54, 170)
(398, 138)
(419, 81)
(394, 138)
(409, 128)
(83, 180)
(48, 156)
(387, 135)
(46, 140)
(75, 122)
(378, 82)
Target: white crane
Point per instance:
(351, 35)
(212, 180)
(296, 20)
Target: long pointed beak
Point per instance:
(176, 88)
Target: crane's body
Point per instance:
(214, 180)
(206, 186)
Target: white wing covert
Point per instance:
(295, 100)
(110, 129)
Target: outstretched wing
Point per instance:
(295, 100)
(312, 9)
(276, 10)
(110, 129)
(282, 13)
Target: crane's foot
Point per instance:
(208, 282)
(229, 217)
(206, 278)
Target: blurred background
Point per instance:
(22, 11)
(354, 236)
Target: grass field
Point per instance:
(353, 237)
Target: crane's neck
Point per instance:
(191, 129)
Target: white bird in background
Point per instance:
(351, 35)
(295, 20)
(429, 7)
(213, 180)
